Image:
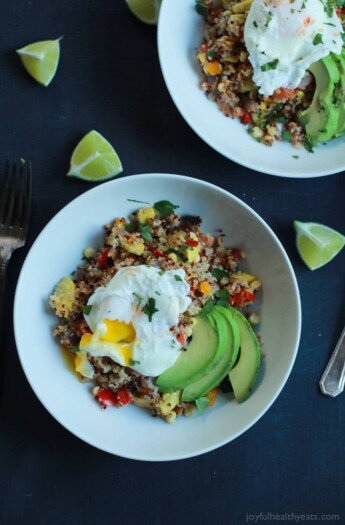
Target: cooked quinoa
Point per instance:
(167, 242)
(227, 78)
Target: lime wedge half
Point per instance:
(41, 60)
(94, 159)
(317, 244)
(146, 10)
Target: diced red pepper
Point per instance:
(246, 118)
(240, 298)
(150, 247)
(108, 398)
(123, 397)
(158, 253)
(191, 243)
(102, 258)
(236, 254)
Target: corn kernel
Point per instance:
(169, 402)
(89, 253)
(120, 223)
(135, 247)
(144, 214)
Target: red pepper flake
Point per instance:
(158, 253)
(102, 258)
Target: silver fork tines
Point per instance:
(15, 198)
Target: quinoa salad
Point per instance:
(136, 306)
(234, 62)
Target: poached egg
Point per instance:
(284, 37)
(131, 319)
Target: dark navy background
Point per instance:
(292, 460)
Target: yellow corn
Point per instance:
(205, 288)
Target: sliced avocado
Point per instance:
(321, 118)
(200, 353)
(244, 374)
(339, 92)
(213, 377)
(227, 313)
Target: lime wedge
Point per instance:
(94, 159)
(317, 244)
(146, 10)
(41, 60)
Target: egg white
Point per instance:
(152, 348)
(280, 37)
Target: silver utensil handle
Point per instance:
(332, 381)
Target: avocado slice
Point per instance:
(212, 377)
(339, 92)
(206, 346)
(227, 313)
(321, 118)
(243, 375)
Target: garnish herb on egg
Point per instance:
(134, 309)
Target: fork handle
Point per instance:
(333, 379)
(5, 256)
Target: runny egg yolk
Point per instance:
(117, 333)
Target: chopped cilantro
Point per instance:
(145, 230)
(255, 24)
(133, 362)
(329, 24)
(295, 156)
(76, 348)
(200, 8)
(308, 145)
(317, 39)
(73, 273)
(224, 294)
(87, 309)
(220, 274)
(208, 307)
(270, 65)
(286, 135)
(165, 207)
(201, 404)
(177, 278)
(157, 293)
(130, 227)
(161, 272)
(150, 308)
(210, 53)
(269, 18)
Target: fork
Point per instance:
(15, 198)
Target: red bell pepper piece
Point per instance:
(191, 243)
(108, 398)
(102, 258)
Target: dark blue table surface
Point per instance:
(291, 463)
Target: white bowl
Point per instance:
(132, 432)
(179, 36)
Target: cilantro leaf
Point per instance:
(177, 278)
(200, 8)
(308, 145)
(270, 65)
(208, 307)
(222, 294)
(220, 274)
(317, 39)
(150, 308)
(165, 207)
(286, 135)
(87, 309)
(130, 227)
(201, 404)
(145, 230)
(76, 348)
